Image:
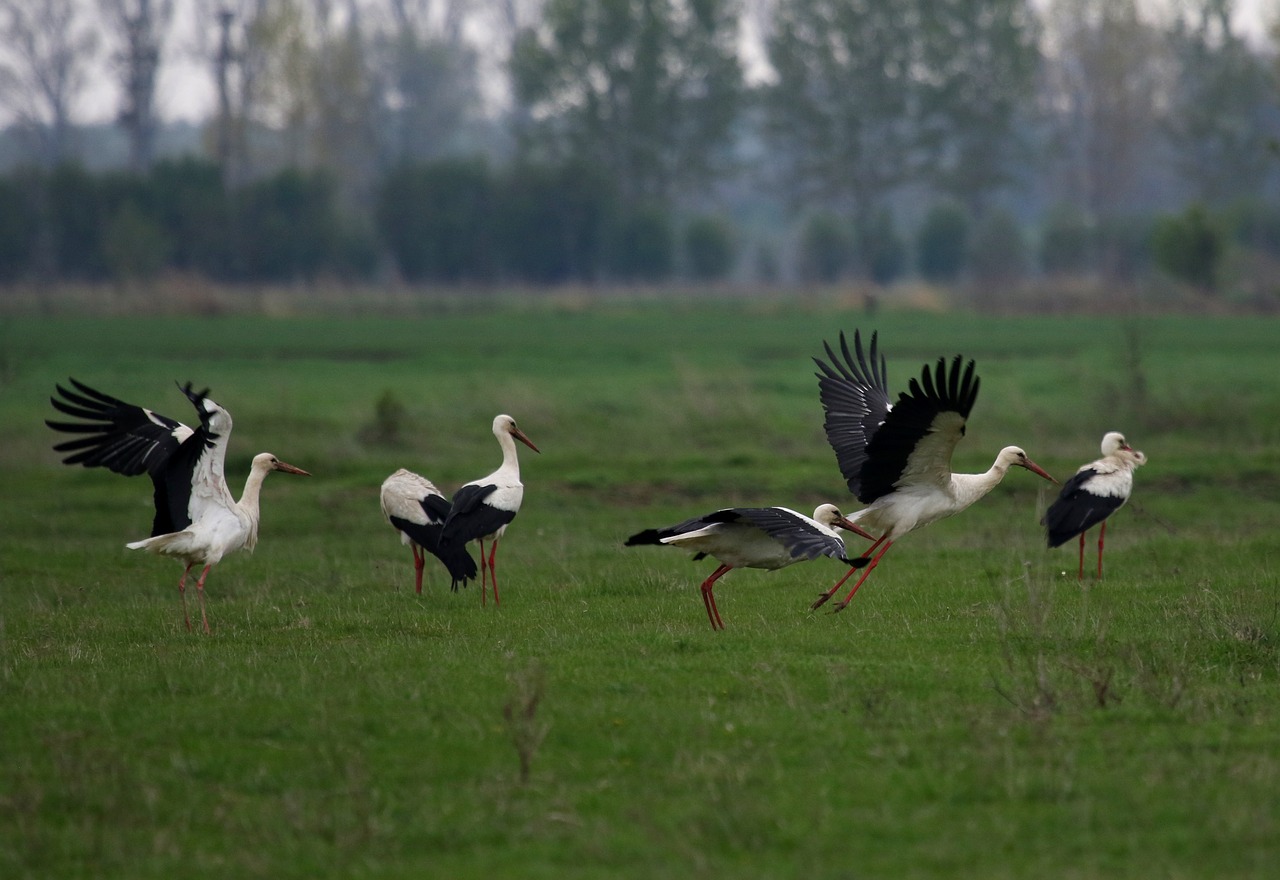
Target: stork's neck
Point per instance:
(971, 487)
(248, 502)
(510, 460)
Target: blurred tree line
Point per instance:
(553, 141)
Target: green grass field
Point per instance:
(975, 712)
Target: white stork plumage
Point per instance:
(482, 509)
(417, 510)
(197, 520)
(1097, 490)
(754, 537)
(897, 458)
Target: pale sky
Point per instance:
(185, 89)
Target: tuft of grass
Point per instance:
(520, 712)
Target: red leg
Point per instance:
(419, 561)
(200, 592)
(863, 559)
(865, 574)
(1102, 533)
(182, 591)
(709, 598)
(484, 575)
(822, 598)
(1080, 574)
(493, 571)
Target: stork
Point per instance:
(482, 509)
(897, 458)
(197, 520)
(754, 537)
(417, 510)
(1097, 490)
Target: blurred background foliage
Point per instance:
(989, 145)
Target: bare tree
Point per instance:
(141, 29)
(343, 102)
(1221, 114)
(1106, 75)
(47, 51)
(262, 54)
(645, 91)
(839, 109)
(427, 73)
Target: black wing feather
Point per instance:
(127, 439)
(855, 398)
(872, 440)
(456, 559)
(120, 436)
(470, 518)
(655, 536)
(1076, 510)
(436, 507)
(798, 535)
(173, 481)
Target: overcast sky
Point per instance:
(185, 89)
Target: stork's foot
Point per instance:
(821, 600)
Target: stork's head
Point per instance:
(1013, 456)
(831, 517)
(265, 461)
(1115, 446)
(504, 424)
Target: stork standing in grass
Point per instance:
(897, 458)
(754, 537)
(1097, 490)
(482, 509)
(197, 520)
(417, 510)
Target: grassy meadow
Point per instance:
(975, 712)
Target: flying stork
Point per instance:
(417, 510)
(197, 520)
(754, 537)
(482, 509)
(1096, 491)
(897, 458)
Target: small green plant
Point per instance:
(390, 417)
(1190, 246)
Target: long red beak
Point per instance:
(850, 525)
(290, 469)
(520, 435)
(1036, 469)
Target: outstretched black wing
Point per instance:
(802, 537)
(877, 446)
(122, 437)
(855, 397)
(129, 439)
